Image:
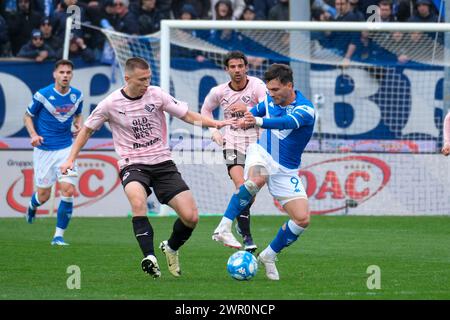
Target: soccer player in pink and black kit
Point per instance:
(138, 124)
(446, 148)
(243, 90)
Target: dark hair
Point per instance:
(279, 71)
(63, 62)
(136, 62)
(385, 3)
(234, 55)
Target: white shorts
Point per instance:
(46, 167)
(284, 184)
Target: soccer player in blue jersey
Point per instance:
(49, 119)
(288, 118)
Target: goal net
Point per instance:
(379, 130)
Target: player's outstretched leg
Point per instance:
(143, 232)
(288, 234)
(62, 220)
(180, 234)
(243, 228)
(32, 207)
(238, 202)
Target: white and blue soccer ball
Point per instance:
(242, 265)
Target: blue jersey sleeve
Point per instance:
(80, 108)
(36, 105)
(301, 115)
(259, 110)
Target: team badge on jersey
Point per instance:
(246, 99)
(149, 107)
(73, 97)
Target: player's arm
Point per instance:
(36, 140)
(77, 124)
(198, 120)
(303, 115)
(33, 108)
(446, 148)
(209, 105)
(82, 137)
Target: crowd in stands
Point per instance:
(35, 29)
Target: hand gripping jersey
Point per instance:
(291, 128)
(225, 96)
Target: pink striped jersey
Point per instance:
(224, 96)
(138, 125)
(447, 128)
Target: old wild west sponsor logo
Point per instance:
(330, 183)
(93, 183)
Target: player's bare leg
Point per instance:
(184, 205)
(289, 232)
(243, 219)
(143, 231)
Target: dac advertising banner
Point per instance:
(353, 184)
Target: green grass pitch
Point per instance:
(329, 261)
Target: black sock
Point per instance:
(144, 234)
(180, 235)
(243, 221)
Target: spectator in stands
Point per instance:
(363, 5)
(5, 46)
(149, 18)
(127, 22)
(354, 7)
(237, 8)
(280, 11)
(188, 12)
(262, 8)
(60, 16)
(404, 10)
(322, 41)
(21, 23)
(78, 49)
(345, 42)
(225, 38)
(49, 38)
(201, 7)
(36, 48)
(386, 14)
(424, 12)
(249, 13)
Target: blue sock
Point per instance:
(34, 202)
(64, 212)
(288, 233)
(238, 202)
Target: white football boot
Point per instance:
(226, 237)
(269, 265)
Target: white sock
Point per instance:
(295, 229)
(59, 232)
(225, 224)
(269, 253)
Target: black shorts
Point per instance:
(233, 158)
(164, 178)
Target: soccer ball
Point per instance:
(242, 265)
